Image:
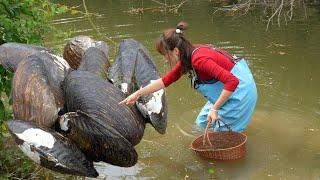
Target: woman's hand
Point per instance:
(152, 87)
(212, 116)
(130, 100)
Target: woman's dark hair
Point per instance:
(173, 37)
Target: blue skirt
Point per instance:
(238, 109)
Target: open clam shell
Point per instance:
(99, 99)
(11, 54)
(134, 69)
(36, 91)
(95, 61)
(100, 142)
(50, 149)
(75, 48)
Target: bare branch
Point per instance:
(281, 5)
(178, 6)
(269, 20)
(163, 4)
(291, 9)
(305, 10)
(164, 7)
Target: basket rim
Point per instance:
(202, 150)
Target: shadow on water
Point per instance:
(284, 131)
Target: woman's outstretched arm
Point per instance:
(152, 87)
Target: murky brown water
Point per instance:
(283, 137)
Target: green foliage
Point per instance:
(5, 90)
(11, 160)
(27, 21)
(23, 21)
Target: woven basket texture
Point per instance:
(227, 145)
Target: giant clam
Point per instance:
(50, 149)
(134, 69)
(100, 142)
(37, 95)
(91, 123)
(89, 93)
(103, 129)
(95, 61)
(12, 53)
(75, 48)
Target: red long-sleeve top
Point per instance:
(208, 64)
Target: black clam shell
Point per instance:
(63, 157)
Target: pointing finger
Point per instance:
(123, 102)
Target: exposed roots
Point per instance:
(279, 10)
(163, 7)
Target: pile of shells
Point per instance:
(66, 110)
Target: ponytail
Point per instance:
(172, 38)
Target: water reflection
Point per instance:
(108, 171)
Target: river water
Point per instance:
(283, 136)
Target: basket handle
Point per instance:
(206, 136)
(220, 120)
(206, 131)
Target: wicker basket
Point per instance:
(227, 145)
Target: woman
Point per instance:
(224, 80)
